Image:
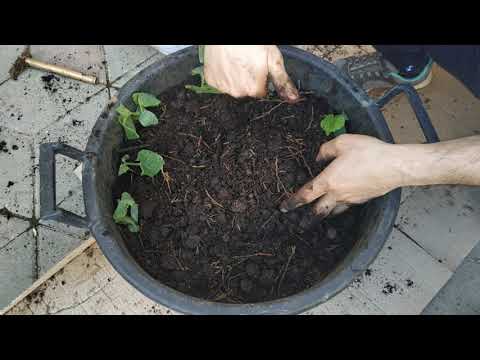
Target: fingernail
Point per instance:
(289, 205)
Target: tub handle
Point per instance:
(417, 106)
(48, 195)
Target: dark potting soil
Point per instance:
(215, 231)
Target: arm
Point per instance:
(364, 167)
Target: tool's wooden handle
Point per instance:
(61, 71)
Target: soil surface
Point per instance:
(213, 230)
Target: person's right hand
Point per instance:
(243, 70)
(363, 168)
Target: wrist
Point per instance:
(413, 164)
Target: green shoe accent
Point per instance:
(423, 74)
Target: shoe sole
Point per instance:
(425, 82)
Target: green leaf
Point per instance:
(205, 89)
(120, 216)
(201, 53)
(147, 118)
(151, 163)
(128, 127)
(145, 100)
(123, 111)
(133, 228)
(333, 123)
(199, 71)
(123, 169)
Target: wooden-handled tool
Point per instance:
(25, 60)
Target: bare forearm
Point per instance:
(455, 162)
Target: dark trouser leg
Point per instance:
(410, 60)
(462, 61)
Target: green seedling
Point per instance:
(127, 118)
(334, 124)
(204, 88)
(121, 213)
(149, 162)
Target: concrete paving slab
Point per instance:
(461, 295)
(443, 220)
(17, 267)
(16, 170)
(87, 59)
(122, 80)
(10, 229)
(73, 129)
(36, 103)
(53, 245)
(8, 55)
(402, 280)
(123, 58)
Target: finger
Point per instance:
(327, 152)
(308, 193)
(276, 69)
(325, 205)
(339, 209)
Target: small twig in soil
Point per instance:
(200, 140)
(278, 178)
(252, 255)
(286, 268)
(268, 220)
(199, 166)
(141, 240)
(167, 179)
(301, 239)
(306, 165)
(175, 257)
(269, 111)
(311, 121)
(213, 200)
(172, 158)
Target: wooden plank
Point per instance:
(60, 265)
(402, 280)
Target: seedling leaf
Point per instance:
(123, 169)
(123, 111)
(199, 71)
(333, 123)
(147, 118)
(145, 100)
(128, 127)
(151, 163)
(205, 89)
(120, 215)
(201, 53)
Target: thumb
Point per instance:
(276, 69)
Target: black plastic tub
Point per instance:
(100, 170)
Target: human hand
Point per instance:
(243, 70)
(363, 168)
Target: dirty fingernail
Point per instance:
(289, 205)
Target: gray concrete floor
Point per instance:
(461, 294)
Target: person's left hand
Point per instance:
(243, 70)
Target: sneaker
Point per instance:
(373, 71)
